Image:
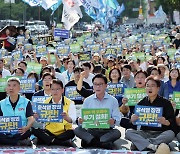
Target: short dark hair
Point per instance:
(48, 74)
(46, 67)
(87, 64)
(100, 76)
(141, 71)
(19, 68)
(77, 69)
(126, 66)
(178, 78)
(35, 75)
(155, 79)
(1, 59)
(156, 69)
(57, 81)
(23, 62)
(70, 60)
(160, 57)
(111, 72)
(98, 69)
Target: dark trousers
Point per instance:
(103, 135)
(9, 139)
(46, 137)
(125, 123)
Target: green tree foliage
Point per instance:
(169, 5)
(129, 5)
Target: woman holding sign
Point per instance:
(115, 86)
(4, 37)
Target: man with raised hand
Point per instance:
(98, 137)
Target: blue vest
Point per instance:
(20, 109)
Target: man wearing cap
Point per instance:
(43, 61)
(5, 72)
(96, 58)
(110, 64)
(16, 105)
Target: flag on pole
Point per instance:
(71, 13)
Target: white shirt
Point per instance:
(165, 79)
(5, 73)
(67, 76)
(71, 111)
(60, 77)
(89, 79)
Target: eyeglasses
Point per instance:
(98, 84)
(56, 90)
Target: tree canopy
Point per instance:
(20, 8)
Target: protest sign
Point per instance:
(20, 39)
(148, 57)
(89, 41)
(28, 47)
(95, 48)
(118, 48)
(107, 40)
(63, 50)
(148, 115)
(41, 50)
(31, 66)
(95, 118)
(140, 56)
(134, 95)
(11, 40)
(17, 55)
(86, 56)
(115, 89)
(67, 41)
(63, 33)
(37, 99)
(75, 47)
(49, 112)
(3, 52)
(110, 51)
(171, 52)
(3, 84)
(71, 93)
(176, 99)
(10, 124)
(27, 85)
